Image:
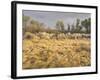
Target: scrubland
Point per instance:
(55, 53)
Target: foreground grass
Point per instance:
(52, 53)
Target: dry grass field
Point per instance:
(54, 53)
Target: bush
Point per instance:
(28, 35)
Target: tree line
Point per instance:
(81, 26)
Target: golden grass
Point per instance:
(52, 53)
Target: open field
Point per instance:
(54, 53)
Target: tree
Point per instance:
(60, 25)
(68, 29)
(36, 26)
(73, 28)
(78, 27)
(25, 20)
(86, 24)
(89, 25)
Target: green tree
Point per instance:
(36, 26)
(60, 25)
(68, 29)
(86, 24)
(89, 25)
(25, 20)
(73, 28)
(78, 27)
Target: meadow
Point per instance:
(52, 41)
(49, 51)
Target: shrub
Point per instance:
(28, 35)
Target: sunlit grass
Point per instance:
(53, 53)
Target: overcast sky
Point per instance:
(50, 18)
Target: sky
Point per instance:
(49, 18)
